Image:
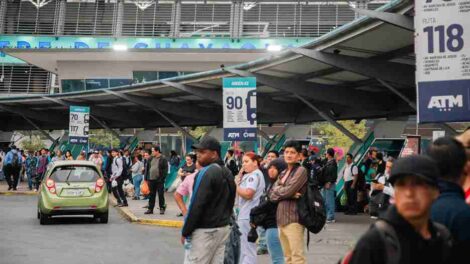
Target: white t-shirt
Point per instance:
(347, 175)
(254, 181)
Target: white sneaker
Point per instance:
(331, 221)
(374, 217)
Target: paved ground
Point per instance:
(79, 240)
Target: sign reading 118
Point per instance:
(452, 37)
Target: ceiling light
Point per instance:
(39, 3)
(144, 4)
(119, 47)
(274, 48)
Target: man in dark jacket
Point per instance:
(450, 208)
(156, 171)
(330, 175)
(206, 227)
(406, 234)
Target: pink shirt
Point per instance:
(186, 187)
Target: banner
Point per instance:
(73, 42)
(239, 109)
(79, 124)
(442, 44)
(412, 146)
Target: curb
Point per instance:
(129, 216)
(11, 193)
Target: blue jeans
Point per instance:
(274, 246)
(137, 180)
(329, 196)
(30, 180)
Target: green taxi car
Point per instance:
(73, 188)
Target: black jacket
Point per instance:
(163, 164)
(212, 205)
(330, 171)
(451, 210)
(370, 249)
(264, 214)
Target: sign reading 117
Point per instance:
(450, 37)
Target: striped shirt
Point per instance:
(283, 190)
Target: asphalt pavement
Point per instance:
(80, 240)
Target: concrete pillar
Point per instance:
(3, 12)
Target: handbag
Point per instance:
(144, 188)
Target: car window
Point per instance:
(74, 174)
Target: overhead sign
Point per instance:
(442, 45)
(72, 42)
(79, 124)
(412, 146)
(240, 109)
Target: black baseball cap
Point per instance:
(421, 166)
(209, 143)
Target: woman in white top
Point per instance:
(250, 187)
(136, 169)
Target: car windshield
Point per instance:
(74, 174)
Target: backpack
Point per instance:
(125, 168)
(361, 176)
(311, 208)
(15, 162)
(392, 244)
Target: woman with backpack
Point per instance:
(264, 214)
(250, 187)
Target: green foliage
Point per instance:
(200, 131)
(33, 143)
(335, 138)
(103, 138)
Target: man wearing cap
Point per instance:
(206, 226)
(406, 234)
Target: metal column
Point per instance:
(3, 12)
(59, 26)
(118, 20)
(330, 120)
(236, 20)
(175, 19)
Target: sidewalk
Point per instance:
(22, 189)
(135, 212)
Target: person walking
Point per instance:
(12, 166)
(206, 226)
(137, 177)
(330, 175)
(350, 175)
(41, 168)
(156, 172)
(117, 179)
(406, 234)
(450, 208)
(58, 156)
(68, 155)
(30, 166)
(264, 214)
(250, 186)
(291, 183)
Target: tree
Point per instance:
(335, 138)
(102, 137)
(199, 131)
(33, 143)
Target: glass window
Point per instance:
(119, 82)
(74, 174)
(92, 84)
(73, 86)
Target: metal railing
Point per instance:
(24, 79)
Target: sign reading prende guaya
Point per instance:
(79, 124)
(239, 109)
(442, 44)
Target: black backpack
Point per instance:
(15, 163)
(311, 208)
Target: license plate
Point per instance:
(74, 192)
